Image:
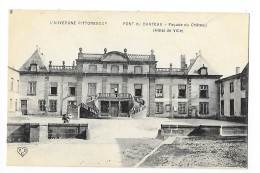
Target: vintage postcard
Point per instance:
(127, 89)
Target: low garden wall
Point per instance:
(35, 132)
(201, 130)
(59, 131)
(23, 132)
(238, 130)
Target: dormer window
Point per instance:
(203, 70)
(33, 67)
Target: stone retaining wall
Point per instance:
(59, 131)
(201, 130)
(35, 132)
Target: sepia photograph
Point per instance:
(127, 89)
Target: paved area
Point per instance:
(169, 140)
(101, 150)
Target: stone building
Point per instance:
(118, 84)
(13, 92)
(233, 94)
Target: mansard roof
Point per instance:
(36, 58)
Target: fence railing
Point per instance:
(168, 70)
(114, 95)
(62, 68)
(93, 110)
(138, 109)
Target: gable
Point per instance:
(37, 59)
(198, 64)
(115, 57)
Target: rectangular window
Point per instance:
(243, 83)
(72, 91)
(125, 68)
(91, 89)
(138, 70)
(231, 87)
(33, 67)
(204, 91)
(138, 90)
(72, 88)
(204, 108)
(42, 105)
(231, 107)
(159, 91)
(92, 68)
(182, 108)
(114, 69)
(12, 84)
(182, 91)
(159, 107)
(222, 107)
(53, 88)
(243, 106)
(31, 88)
(222, 89)
(114, 88)
(53, 105)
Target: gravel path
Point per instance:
(201, 152)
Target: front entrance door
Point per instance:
(24, 107)
(194, 112)
(114, 109)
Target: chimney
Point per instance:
(152, 56)
(183, 62)
(237, 70)
(80, 55)
(192, 61)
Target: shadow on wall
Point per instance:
(18, 133)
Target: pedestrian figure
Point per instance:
(66, 118)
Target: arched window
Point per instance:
(114, 69)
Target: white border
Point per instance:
(243, 6)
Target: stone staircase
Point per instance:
(89, 109)
(139, 108)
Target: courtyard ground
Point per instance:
(201, 152)
(113, 143)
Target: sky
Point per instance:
(222, 38)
